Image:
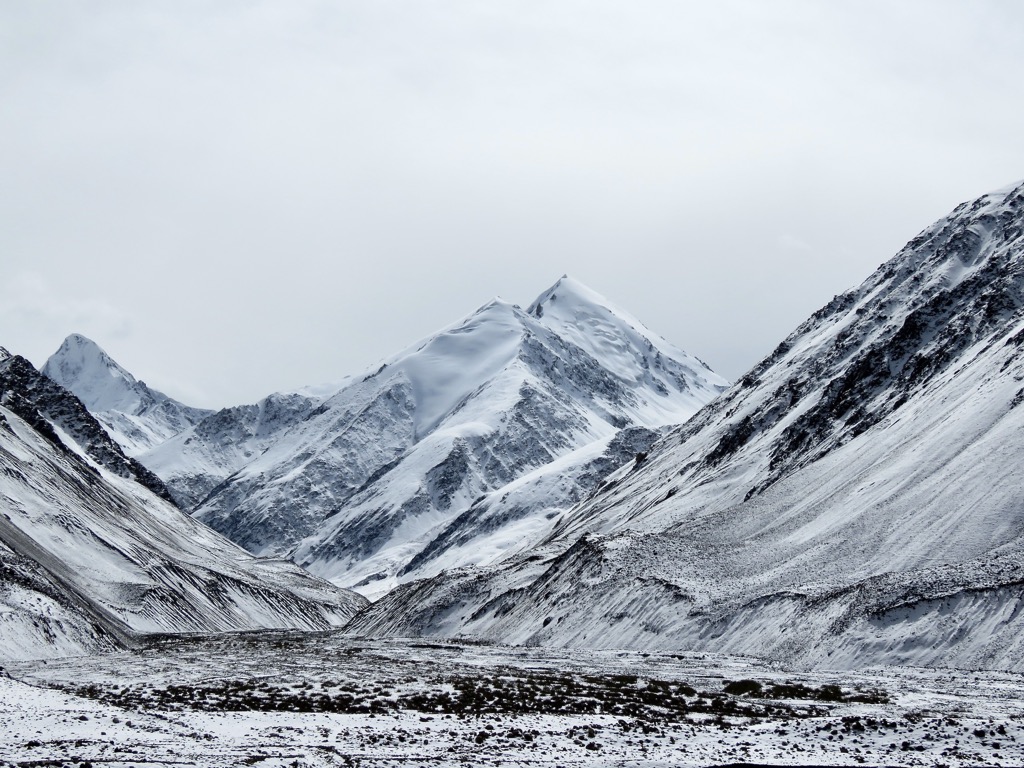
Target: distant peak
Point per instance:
(77, 349)
(497, 304)
(567, 282)
(78, 344)
(83, 367)
(4, 355)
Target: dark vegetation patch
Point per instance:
(510, 692)
(829, 692)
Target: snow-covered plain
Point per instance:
(291, 699)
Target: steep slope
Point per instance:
(380, 470)
(53, 411)
(89, 558)
(856, 498)
(137, 417)
(39, 618)
(507, 520)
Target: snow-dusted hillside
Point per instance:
(65, 421)
(40, 618)
(89, 557)
(855, 498)
(517, 515)
(195, 461)
(375, 476)
(137, 417)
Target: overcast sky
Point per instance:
(235, 198)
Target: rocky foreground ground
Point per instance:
(292, 699)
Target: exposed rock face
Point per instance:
(47, 406)
(197, 460)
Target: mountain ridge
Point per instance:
(49, 407)
(357, 481)
(135, 415)
(874, 448)
(453, 418)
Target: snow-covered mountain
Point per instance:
(855, 498)
(89, 557)
(406, 465)
(192, 450)
(137, 417)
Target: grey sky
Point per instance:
(239, 197)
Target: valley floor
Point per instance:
(292, 699)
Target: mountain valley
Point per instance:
(541, 535)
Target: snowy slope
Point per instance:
(139, 563)
(89, 557)
(39, 618)
(376, 473)
(507, 520)
(137, 417)
(856, 498)
(54, 411)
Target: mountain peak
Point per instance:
(77, 346)
(567, 291)
(576, 311)
(495, 305)
(83, 367)
(376, 473)
(76, 342)
(137, 416)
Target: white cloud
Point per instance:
(331, 181)
(35, 317)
